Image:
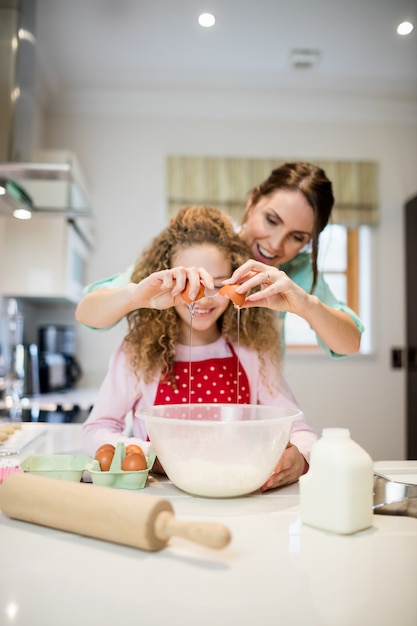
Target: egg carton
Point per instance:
(115, 476)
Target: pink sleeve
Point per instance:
(303, 434)
(108, 420)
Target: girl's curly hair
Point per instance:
(150, 342)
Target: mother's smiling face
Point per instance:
(278, 226)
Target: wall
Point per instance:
(122, 143)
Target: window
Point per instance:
(339, 261)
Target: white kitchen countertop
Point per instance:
(275, 570)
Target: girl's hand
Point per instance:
(161, 289)
(102, 308)
(277, 292)
(289, 469)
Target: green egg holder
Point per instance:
(116, 477)
(61, 466)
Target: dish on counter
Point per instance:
(218, 450)
(406, 473)
(394, 495)
(22, 435)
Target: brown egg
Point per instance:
(185, 294)
(106, 446)
(134, 462)
(105, 457)
(229, 291)
(133, 447)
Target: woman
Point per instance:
(166, 339)
(284, 215)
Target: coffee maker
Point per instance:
(58, 366)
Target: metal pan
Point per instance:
(392, 497)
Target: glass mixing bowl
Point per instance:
(218, 450)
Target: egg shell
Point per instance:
(134, 462)
(186, 293)
(133, 447)
(105, 446)
(105, 458)
(229, 291)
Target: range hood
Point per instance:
(52, 183)
(36, 181)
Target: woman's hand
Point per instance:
(277, 290)
(289, 469)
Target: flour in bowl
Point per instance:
(202, 478)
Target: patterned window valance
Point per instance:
(225, 183)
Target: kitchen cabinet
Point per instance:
(42, 258)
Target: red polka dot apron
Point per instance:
(210, 381)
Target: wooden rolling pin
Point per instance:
(134, 519)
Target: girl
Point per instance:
(229, 363)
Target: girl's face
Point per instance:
(278, 226)
(207, 310)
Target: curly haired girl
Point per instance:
(201, 352)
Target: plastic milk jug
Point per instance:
(336, 494)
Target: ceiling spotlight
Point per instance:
(405, 28)
(22, 214)
(206, 20)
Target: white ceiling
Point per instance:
(140, 44)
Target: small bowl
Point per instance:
(116, 477)
(219, 451)
(63, 466)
